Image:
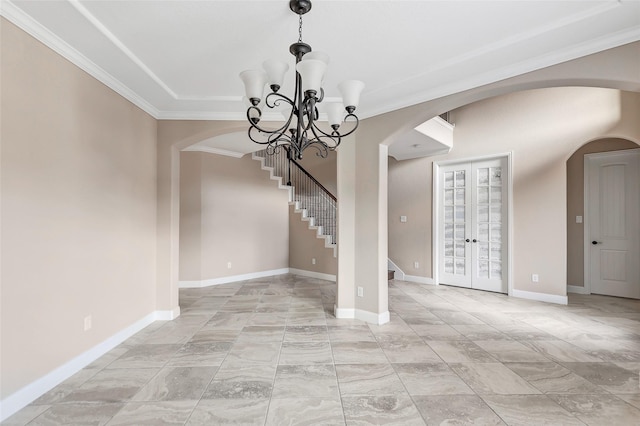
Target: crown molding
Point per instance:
(533, 64)
(16, 16)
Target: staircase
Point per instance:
(316, 204)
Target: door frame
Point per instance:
(586, 219)
(435, 212)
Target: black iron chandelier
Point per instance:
(300, 130)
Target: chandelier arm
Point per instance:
(310, 110)
(279, 99)
(278, 138)
(321, 148)
(335, 133)
(272, 136)
(254, 125)
(355, 124)
(335, 138)
(258, 141)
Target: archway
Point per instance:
(575, 206)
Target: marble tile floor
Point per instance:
(270, 352)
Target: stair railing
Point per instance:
(308, 193)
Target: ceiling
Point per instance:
(181, 59)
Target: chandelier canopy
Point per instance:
(301, 129)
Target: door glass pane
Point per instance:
(460, 248)
(483, 177)
(496, 194)
(496, 270)
(460, 232)
(448, 248)
(496, 251)
(483, 195)
(448, 196)
(448, 214)
(483, 232)
(459, 213)
(448, 180)
(496, 176)
(459, 196)
(460, 269)
(483, 250)
(496, 232)
(496, 213)
(483, 214)
(448, 232)
(483, 269)
(448, 265)
(460, 179)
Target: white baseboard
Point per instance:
(344, 313)
(312, 274)
(23, 397)
(577, 289)
(253, 275)
(359, 314)
(231, 279)
(168, 315)
(541, 297)
(419, 280)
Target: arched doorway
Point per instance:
(577, 250)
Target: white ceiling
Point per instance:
(181, 59)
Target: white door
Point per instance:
(612, 237)
(472, 229)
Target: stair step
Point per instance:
(391, 274)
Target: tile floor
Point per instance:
(270, 352)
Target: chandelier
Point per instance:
(301, 129)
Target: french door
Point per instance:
(612, 244)
(473, 225)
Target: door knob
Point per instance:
(594, 242)
(475, 241)
(467, 240)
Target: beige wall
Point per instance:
(575, 204)
(173, 136)
(190, 216)
(542, 128)
(322, 169)
(78, 211)
(240, 216)
(409, 241)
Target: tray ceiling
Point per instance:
(181, 59)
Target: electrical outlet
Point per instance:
(535, 278)
(403, 219)
(416, 265)
(360, 292)
(228, 265)
(313, 261)
(87, 323)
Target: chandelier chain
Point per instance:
(300, 30)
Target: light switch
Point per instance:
(403, 219)
(578, 219)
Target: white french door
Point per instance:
(472, 225)
(612, 234)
